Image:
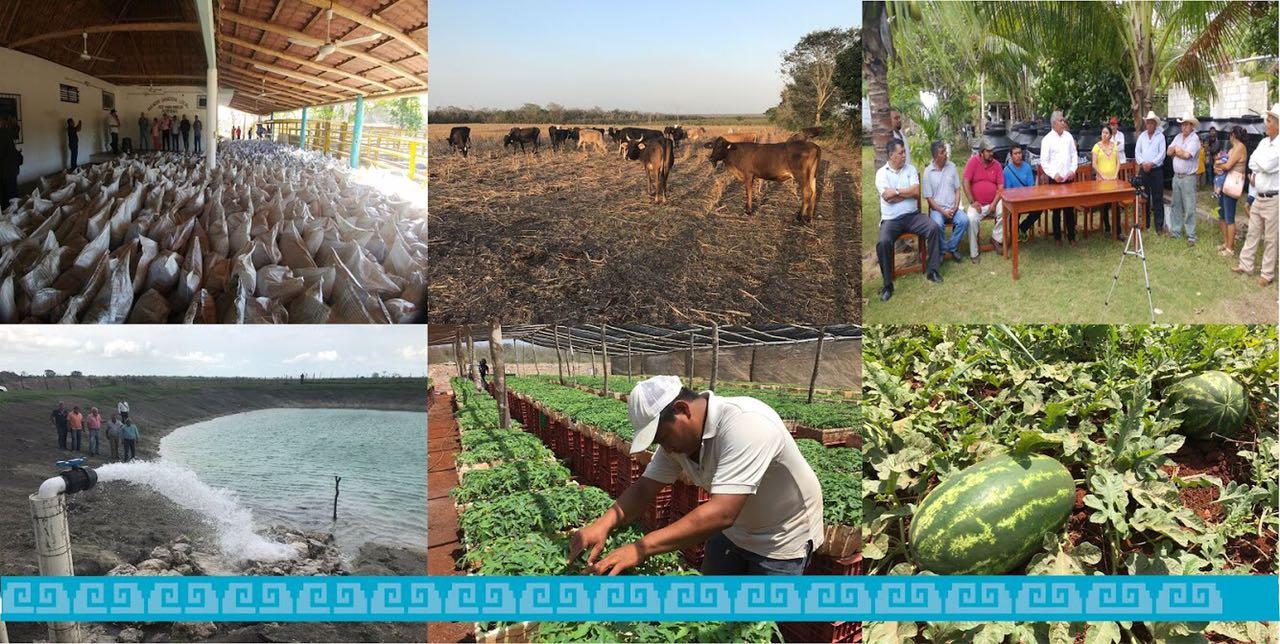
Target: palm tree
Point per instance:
(1154, 44)
(877, 49)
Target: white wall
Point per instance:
(44, 117)
(1238, 95)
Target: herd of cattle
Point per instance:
(797, 158)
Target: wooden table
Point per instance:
(1084, 194)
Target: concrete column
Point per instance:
(355, 136)
(211, 118)
(302, 131)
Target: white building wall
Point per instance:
(1237, 96)
(44, 116)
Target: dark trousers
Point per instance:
(1064, 213)
(164, 140)
(914, 223)
(1153, 182)
(129, 448)
(1028, 221)
(124, 416)
(8, 187)
(74, 149)
(724, 557)
(62, 437)
(115, 143)
(197, 142)
(76, 434)
(186, 141)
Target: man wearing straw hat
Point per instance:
(764, 516)
(1265, 164)
(1148, 153)
(1185, 150)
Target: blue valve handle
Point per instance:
(71, 463)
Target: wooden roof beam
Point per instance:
(304, 62)
(373, 22)
(256, 84)
(291, 74)
(103, 29)
(290, 33)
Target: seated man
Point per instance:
(899, 188)
(941, 189)
(983, 186)
(1018, 173)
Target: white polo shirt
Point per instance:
(747, 450)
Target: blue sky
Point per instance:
(218, 350)
(691, 56)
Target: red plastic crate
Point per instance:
(658, 514)
(622, 471)
(824, 565)
(694, 554)
(685, 497)
(832, 632)
(593, 454)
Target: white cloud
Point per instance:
(411, 352)
(319, 356)
(117, 348)
(35, 339)
(199, 357)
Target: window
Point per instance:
(108, 101)
(68, 93)
(11, 107)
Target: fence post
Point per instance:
(413, 159)
(328, 137)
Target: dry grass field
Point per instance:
(571, 236)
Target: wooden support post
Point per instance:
(535, 359)
(751, 370)
(471, 360)
(499, 374)
(715, 354)
(629, 374)
(689, 366)
(591, 356)
(817, 359)
(555, 330)
(336, 481)
(571, 357)
(457, 353)
(604, 358)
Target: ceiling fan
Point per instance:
(329, 45)
(84, 52)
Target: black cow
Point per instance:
(632, 134)
(657, 155)
(460, 140)
(563, 136)
(675, 133)
(522, 136)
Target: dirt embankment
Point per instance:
(123, 523)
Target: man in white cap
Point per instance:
(1148, 153)
(1185, 150)
(1265, 164)
(764, 516)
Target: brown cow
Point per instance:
(741, 137)
(772, 162)
(591, 137)
(657, 155)
(695, 133)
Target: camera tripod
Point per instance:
(1134, 246)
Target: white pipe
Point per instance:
(52, 487)
(53, 545)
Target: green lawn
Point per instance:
(1068, 285)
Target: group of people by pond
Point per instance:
(925, 203)
(72, 425)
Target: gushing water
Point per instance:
(232, 522)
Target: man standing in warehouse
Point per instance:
(764, 516)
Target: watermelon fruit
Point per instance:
(1214, 402)
(989, 518)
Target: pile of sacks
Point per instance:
(273, 235)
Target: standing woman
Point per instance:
(1232, 188)
(73, 143)
(155, 134)
(10, 160)
(1106, 165)
(166, 124)
(143, 127)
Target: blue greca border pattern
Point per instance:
(474, 598)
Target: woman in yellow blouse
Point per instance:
(1106, 165)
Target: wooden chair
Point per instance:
(1129, 170)
(1084, 172)
(924, 256)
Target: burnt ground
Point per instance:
(572, 236)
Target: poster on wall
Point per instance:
(108, 101)
(68, 93)
(11, 107)
(202, 101)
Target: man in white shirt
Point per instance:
(899, 188)
(1058, 161)
(122, 408)
(764, 516)
(1265, 164)
(1185, 150)
(1117, 137)
(1149, 153)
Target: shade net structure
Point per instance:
(774, 354)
